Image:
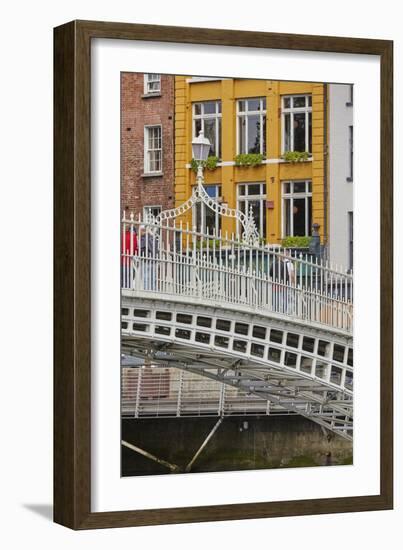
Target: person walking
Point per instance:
(283, 278)
(128, 249)
(149, 251)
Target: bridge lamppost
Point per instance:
(200, 149)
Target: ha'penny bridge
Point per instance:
(220, 310)
(221, 325)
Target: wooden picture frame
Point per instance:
(72, 272)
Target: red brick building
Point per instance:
(147, 142)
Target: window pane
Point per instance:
(154, 157)
(242, 134)
(299, 217)
(241, 190)
(310, 132)
(198, 209)
(209, 107)
(150, 138)
(299, 101)
(287, 132)
(310, 101)
(198, 109)
(241, 106)
(255, 206)
(218, 145)
(210, 220)
(253, 104)
(286, 102)
(198, 127)
(153, 86)
(309, 201)
(264, 103)
(209, 133)
(287, 187)
(264, 135)
(211, 190)
(299, 132)
(287, 220)
(299, 187)
(218, 103)
(254, 189)
(254, 134)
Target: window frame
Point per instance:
(218, 198)
(246, 198)
(147, 82)
(147, 170)
(263, 122)
(350, 229)
(307, 194)
(210, 116)
(148, 207)
(292, 110)
(350, 177)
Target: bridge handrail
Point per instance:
(233, 272)
(194, 242)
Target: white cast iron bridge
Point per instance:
(263, 331)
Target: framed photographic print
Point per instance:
(223, 275)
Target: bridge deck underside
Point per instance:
(303, 370)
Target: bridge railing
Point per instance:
(174, 259)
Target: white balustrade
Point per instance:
(170, 258)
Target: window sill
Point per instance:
(148, 96)
(152, 174)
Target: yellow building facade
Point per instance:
(262, 119)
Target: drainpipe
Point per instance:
(325, 174)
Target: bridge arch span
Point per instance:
(303, 368)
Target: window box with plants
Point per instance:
(210, 164)
(249, 159)
(296, 156)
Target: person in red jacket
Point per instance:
(129, 248)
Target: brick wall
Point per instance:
(137, 111)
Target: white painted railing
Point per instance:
(174, 259)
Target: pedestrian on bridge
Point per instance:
(149, 248)
(283, 278)
(128, 250)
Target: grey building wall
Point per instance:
(340, 174)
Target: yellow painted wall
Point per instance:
(229, 91)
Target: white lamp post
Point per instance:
(200, 148)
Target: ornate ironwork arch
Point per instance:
(250, 234)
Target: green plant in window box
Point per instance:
(296, 156)
(249, 159)
(209, 164)
(296, 242)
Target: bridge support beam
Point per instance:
(210, 435)
(172, 467)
